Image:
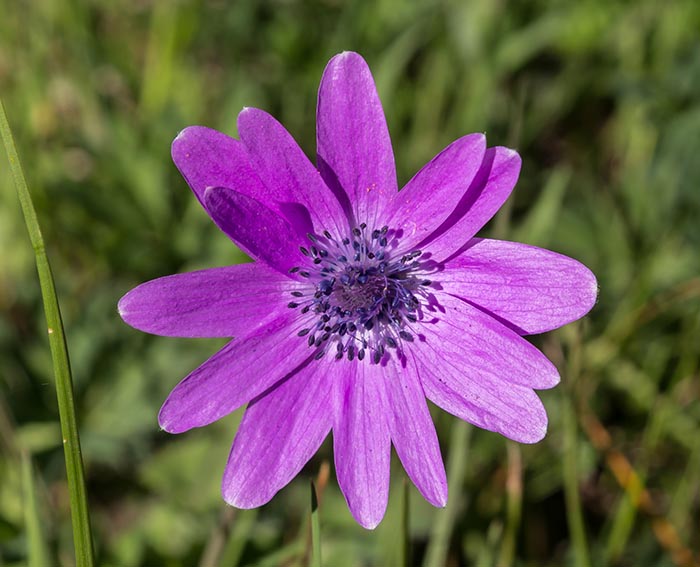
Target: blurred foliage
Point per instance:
(602, 100)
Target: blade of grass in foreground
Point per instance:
(82, 536)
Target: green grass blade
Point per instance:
(38, 552)
(82, 536)
(315, 530)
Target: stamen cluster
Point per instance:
(363, 299)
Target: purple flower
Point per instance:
(362, 300)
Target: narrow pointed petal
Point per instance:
(243, 369)
(207, 158)
(433, 194)
(488, 191)
(516, 412)
(532, 289)
(355, 156)
(281, 430)
(413, 432)
(218, 302)
(362, 446)
(291, 179)
(256, 229)
(476, 368)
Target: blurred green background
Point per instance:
(602, 100)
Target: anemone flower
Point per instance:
(361, 302)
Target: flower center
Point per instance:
(360, 299)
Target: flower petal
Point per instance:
(354, 150)
(413, 432)
(289, 176)
(241, 370)
(218, 302)
(476, 368)
(207, 158)
(433, 193)
(532, 289)
(488, 191)
(362, 446)
(281, 430)
(256, 229)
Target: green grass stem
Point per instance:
(82, 536)
(37, 549)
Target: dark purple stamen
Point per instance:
(363, 299)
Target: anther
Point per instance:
(304, 332)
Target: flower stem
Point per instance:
(514, 504)
(404, 546)
(82, 535)
(315, 530)
(436, 555)
(570, 463)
